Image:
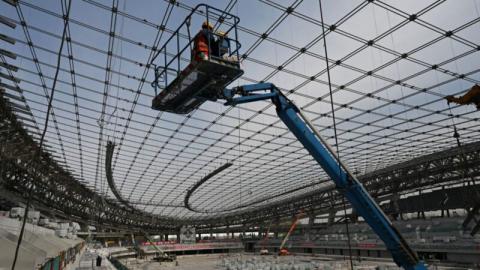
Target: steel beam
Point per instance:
(56, 188)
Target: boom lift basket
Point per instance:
(185, 82)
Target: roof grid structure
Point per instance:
(391, 65)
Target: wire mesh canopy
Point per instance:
(392, 63)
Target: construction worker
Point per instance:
(223, 43)
(471, 97)
(202, 42)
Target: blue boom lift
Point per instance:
(211, 85)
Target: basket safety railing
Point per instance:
(177, 52)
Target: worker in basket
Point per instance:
(471, 97)
(223, 44)
(203, 43)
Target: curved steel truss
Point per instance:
(57, 189)
(392, 63)
(54, 189)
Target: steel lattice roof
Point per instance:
(392, 63)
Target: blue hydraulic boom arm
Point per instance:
(321, 151)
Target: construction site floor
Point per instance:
(254, 262)
(88, 261)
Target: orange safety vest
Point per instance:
(200, 45)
